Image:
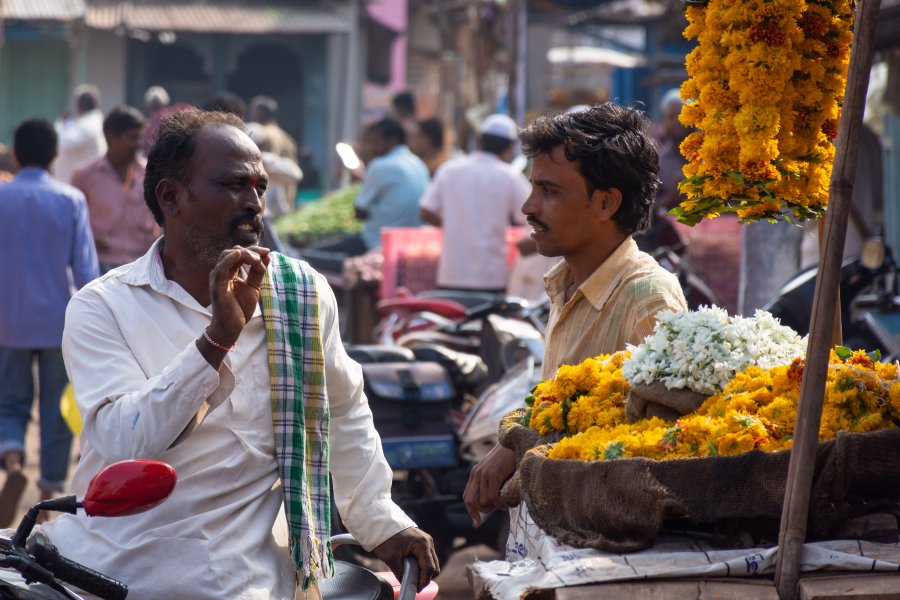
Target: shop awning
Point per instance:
(219, 17)
(41, 10)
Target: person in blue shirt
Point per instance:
(394, 180)
(46, 241)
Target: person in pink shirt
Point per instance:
(122, 225)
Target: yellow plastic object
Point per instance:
(69, 409)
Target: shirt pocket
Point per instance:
(251, 401)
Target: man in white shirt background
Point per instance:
(81, 137)
(474, 199)
(168, 357)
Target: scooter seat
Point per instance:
(375, 353)
(441, 306)
(353, 582)
(467, 371)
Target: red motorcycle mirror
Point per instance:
(129, 487)
(124, 488)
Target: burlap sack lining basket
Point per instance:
(621, 505)
(656, 400)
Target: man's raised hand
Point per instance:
(234, 297)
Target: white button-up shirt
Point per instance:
(129, 346)
(477, 197)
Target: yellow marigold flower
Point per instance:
(757, 409)
(735, 443)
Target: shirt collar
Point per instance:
(148, 270)
(484, 155)
(398, 149)
(32, 173)
(602, 282)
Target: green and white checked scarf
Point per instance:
(290, 308)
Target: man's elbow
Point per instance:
(430, 217)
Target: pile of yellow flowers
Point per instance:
(766, 82)
(755, 411)
(580, 396)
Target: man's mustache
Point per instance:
(254, 219)
(535, 222)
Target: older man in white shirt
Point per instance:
(168, 357)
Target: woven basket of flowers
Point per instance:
(592, 477)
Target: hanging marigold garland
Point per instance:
(766, 81)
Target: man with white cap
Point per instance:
(474, 198)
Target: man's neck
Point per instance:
(191, 275)
(585, 263)
(121, 166)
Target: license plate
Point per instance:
(419, 452)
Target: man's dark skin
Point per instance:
(374, 144)
(212, 227)
(122, 149)
(567, 219)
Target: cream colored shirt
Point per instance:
(129, 346)
(615, 306)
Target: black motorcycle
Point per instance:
(870, 301)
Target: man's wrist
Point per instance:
(220, 336)
(218, 345)
(214, 349)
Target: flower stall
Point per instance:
(670, 459)
(725, 425)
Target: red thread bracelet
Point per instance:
(217, 344)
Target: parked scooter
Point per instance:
(500, 329)
(437, 412)
(442, 315)
(121, 489)
(870, 300)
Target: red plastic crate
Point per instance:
(411, 257)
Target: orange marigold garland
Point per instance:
(766, 81)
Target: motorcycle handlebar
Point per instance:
(410, 579)
(74, 573)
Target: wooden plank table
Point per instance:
(813, 586)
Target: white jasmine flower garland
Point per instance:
(702, 350)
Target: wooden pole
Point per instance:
(837, 337)
(809, 413)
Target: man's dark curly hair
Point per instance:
(390, 129)
(171, 155)
(613, 149)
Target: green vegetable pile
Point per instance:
(328, 217)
